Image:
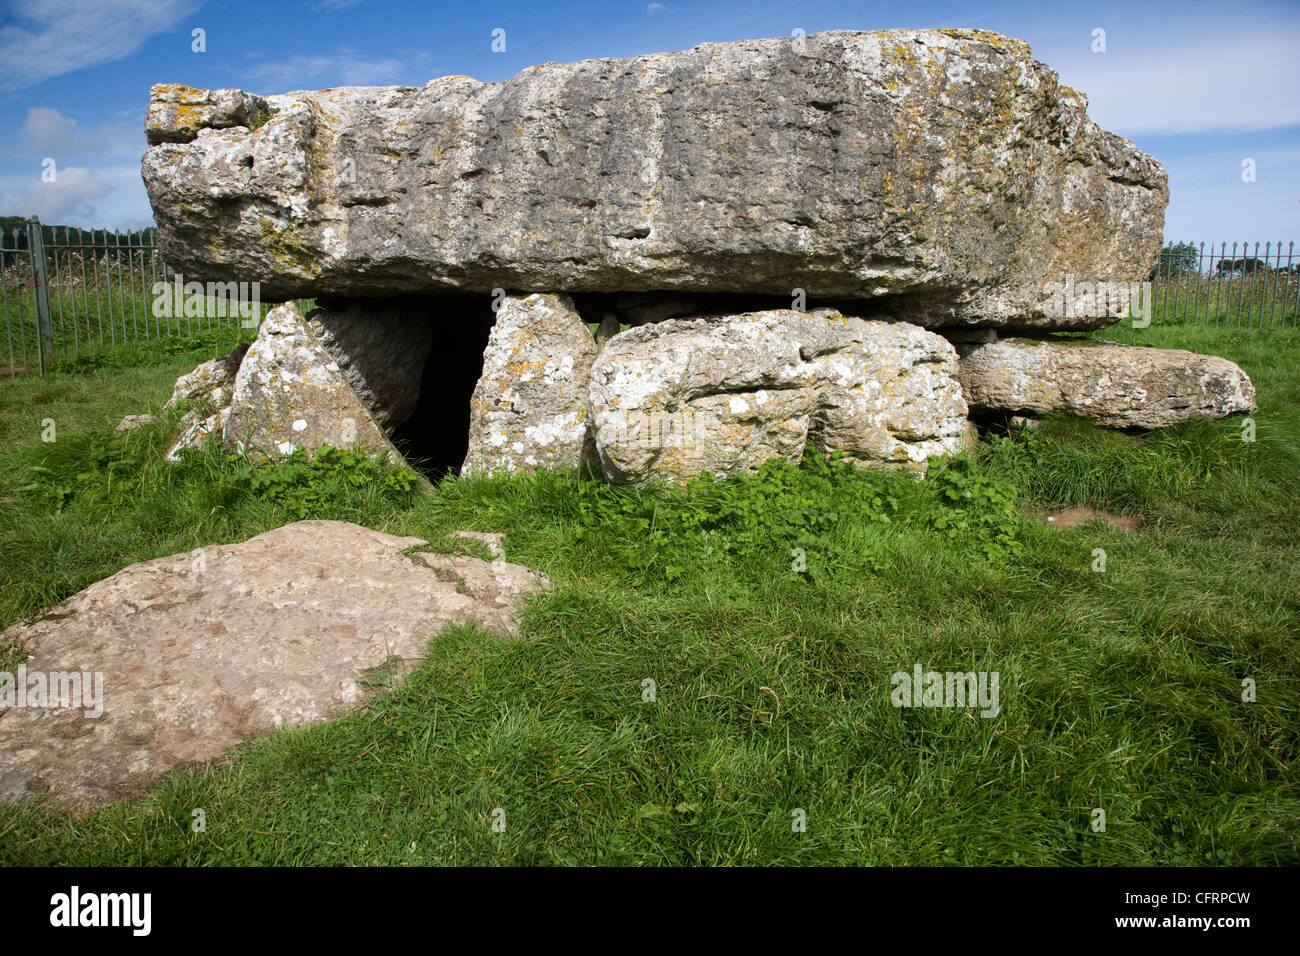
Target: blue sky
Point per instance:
(1201, 86)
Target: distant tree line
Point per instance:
(97, 243)
(1184, 257)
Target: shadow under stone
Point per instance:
(435, 438)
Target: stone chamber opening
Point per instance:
(435, 438)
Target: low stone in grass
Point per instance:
(202, 651)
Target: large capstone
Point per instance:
(529, 409)
(944, 169)
(1120, 386)
(725, 394)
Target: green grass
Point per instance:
(105, 317)
(1119, 690)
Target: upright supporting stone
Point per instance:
(529, 408)
(290, 394)
(1119, 386)
(725, 394)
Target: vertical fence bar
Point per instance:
(85, 291)
(18, 297)
(1165, 264)
(107, 297)
(58, 288)
(141, 297)
(4, 301)
(1265, 272)
(1295, 281)
(153, 280)
(1227, 297)
(1250, 289)
(1241, 285)
(63, 288)
(1160, 289)
(44, 325)
(1171, 293)
(1200, 263)
(1287, 275)
(1277, 278)
(116, 260)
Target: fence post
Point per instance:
(44, 323)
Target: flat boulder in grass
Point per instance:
(947, 169)
(1118, 386)
(203, 651)
(529, 408)
(291, 394)
(725, 394)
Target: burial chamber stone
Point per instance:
(1119, 386)
(946, 170)
(290, 393)
(381, 348)
(529, 409)
(725, 394)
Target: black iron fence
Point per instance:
(64, 291)
(1254, 285)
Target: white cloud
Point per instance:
(343, 68)
(333, 6)
(47, 132)
(1236, 75)
(73, 195)
(47, 38)
(110, 197)
(653, 7)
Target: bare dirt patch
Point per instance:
(1082, 514)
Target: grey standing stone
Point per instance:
(529, 408)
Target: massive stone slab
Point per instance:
(202, 651)
(724, 394)
(290, 393)
(529, 409)
(1119, 386)
(945, 168)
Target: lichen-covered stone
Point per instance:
(291, 394)
(724, 394)
(177, 113)
(529, 408)
(945, 168)
(197, 431)
(210, 382)
(1119, 386)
